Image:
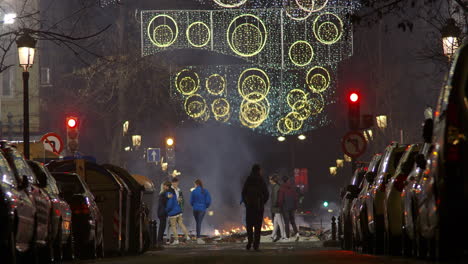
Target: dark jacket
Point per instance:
(162, 205)
(288, 198)
(255, 192)
(274, 199)
(200, 199)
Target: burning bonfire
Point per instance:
(267, 226)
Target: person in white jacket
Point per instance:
(278, 222)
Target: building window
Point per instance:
(45, 76)
(7, 82)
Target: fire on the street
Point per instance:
(267, 226)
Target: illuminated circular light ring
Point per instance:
(296, 13)
(317, 32)
(220, 79)
(238, 44)
(220, 107)
(181, 81)
(293, 121)
(303, 6)
(257, 88)
(317, 103)
(255, 112)
(208, 32)
(230, 5)
(294, 96)
(223, 119)
(322, 74)
(205, 117)
(165, 33)
(195, 106)
(335, 35)
(260, 73)
(308, 46)
(281, 126)
(303, 108)
(264, 40)
(151, 35)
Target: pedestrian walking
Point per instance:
(174, 212)
(254, 195)
(162, 213)
(200, 200)
(288, 201)
(278, 222)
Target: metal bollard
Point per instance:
(333, 228)
(340, 232)
(154, 232)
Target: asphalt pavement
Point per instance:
(271, 253)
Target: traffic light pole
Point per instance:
(26, 114)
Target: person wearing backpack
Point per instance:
(288, 201)
(255, 196)
(200, 200)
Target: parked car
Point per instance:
(40, 200)
(375, 199)
(351, 192)
(87, 223)
(410, 238)
(361, 234)
(17, 213)
(443, 197)
(392, 205)
(60, 213)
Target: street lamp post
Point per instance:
(26, 49)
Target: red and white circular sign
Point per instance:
(52, 142)
(354, 144)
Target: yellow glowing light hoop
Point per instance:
(318, 28)
(318, 79)
(218, 81)
(230, 3)
(187, 82)
(220, 107)
(254, 113)
(294, 12)
(263, 36)
(301, 47)
(303, 108)
(253, 84)
(195, 106)
(312, 5)
(293, 121)
(316, 102)
(223, 119)
(161, 28)
(294, 96)
(281, 126)
(200, 27)
(241, 43)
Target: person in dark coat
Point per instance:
(288, 201)
(162, 214)
(255, 196)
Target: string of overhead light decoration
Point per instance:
(292, 54)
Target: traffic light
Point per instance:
(325, 204)
(72, 133)
(354, 111)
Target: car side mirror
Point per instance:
(25, 182)
(99, 199)
(421, 161)
(428, 130)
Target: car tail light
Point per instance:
(80, 209)
(399, 182)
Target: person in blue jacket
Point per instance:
(200, 200)
(174, 213)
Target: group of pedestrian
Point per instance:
(171, 204)
(284, 201)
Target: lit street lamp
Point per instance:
(125, 127)
(170, 142)
(9, 18)
(381, 121)
(301, 137)
(450, 37)
(26, 49)
(339, 163)
(333, 171)
(136, 141)
(281, 138)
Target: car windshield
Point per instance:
(6, 174)
(69, 183)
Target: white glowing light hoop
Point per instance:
(263, 36)
(312, 7)
(195, 106)
(203, 26)
(230, 4)
(308, 46)
(242, 85)
(160, 27)
(213, 78)
(220, 107)
(184, 78)
(317, 29)
(321, 73)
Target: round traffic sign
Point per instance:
(354, 144)
(52, 142)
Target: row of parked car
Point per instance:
(51, 213)
(413, 198)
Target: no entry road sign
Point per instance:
(52, 142)
(354, 144)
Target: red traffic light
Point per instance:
(72, 122)
(354, 97)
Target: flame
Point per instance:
(268, 224)
(217, 232)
